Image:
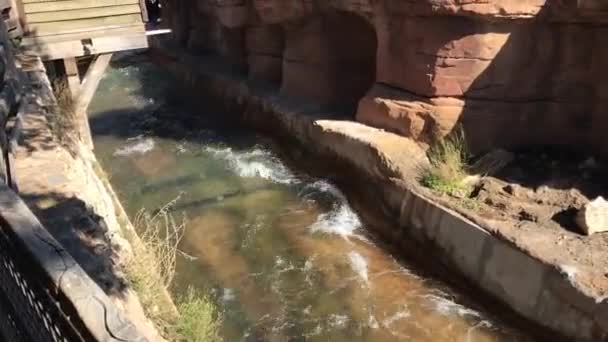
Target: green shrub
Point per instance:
(447, 165)
(151, 269)
(199, 319)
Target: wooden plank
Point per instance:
(106, 44)
(43, 29)
(30, 1)
(89, 87)
(85, 13)
(59, 50)
(71, 71)
(18, 11)
(50, 6)
(144, 11)
(128, 30)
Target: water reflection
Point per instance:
(281, 253)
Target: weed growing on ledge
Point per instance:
(152, 267)
(151, 270)
(447, 166)
(199, 319)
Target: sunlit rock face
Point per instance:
(510, 72)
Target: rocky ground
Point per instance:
(547, 188)
(533, 202)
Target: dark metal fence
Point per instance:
(32, 308)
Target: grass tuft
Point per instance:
(448, 166)
(150, 272)
(199, 319)
(151, 269)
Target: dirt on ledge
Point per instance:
(532, 202)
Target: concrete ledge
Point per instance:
(535, 288)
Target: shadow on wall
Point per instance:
(83, 234)
(544, 87)
(330, 58)
(536, 78)
(510, 82)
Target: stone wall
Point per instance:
(511, 72)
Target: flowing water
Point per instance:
(283, 254)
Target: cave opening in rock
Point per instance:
(330, 59)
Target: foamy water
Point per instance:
(448, 307)
(255, 163)
(359, 266)
(341, 219)
(228, 295)
(135, 146)
(396, 317)
(338, 320)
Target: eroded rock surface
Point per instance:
(511, 72)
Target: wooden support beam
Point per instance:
(18, 12)
(88, 88)
(71, 72)
(144, 11)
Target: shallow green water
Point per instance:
(282, 254)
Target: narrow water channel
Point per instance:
(282, 254)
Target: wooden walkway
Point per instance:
(70, 31)
(58, 29)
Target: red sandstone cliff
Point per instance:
(511, 72)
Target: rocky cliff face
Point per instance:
(511, 72)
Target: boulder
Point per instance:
(593, 217)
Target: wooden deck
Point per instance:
(58, 29)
